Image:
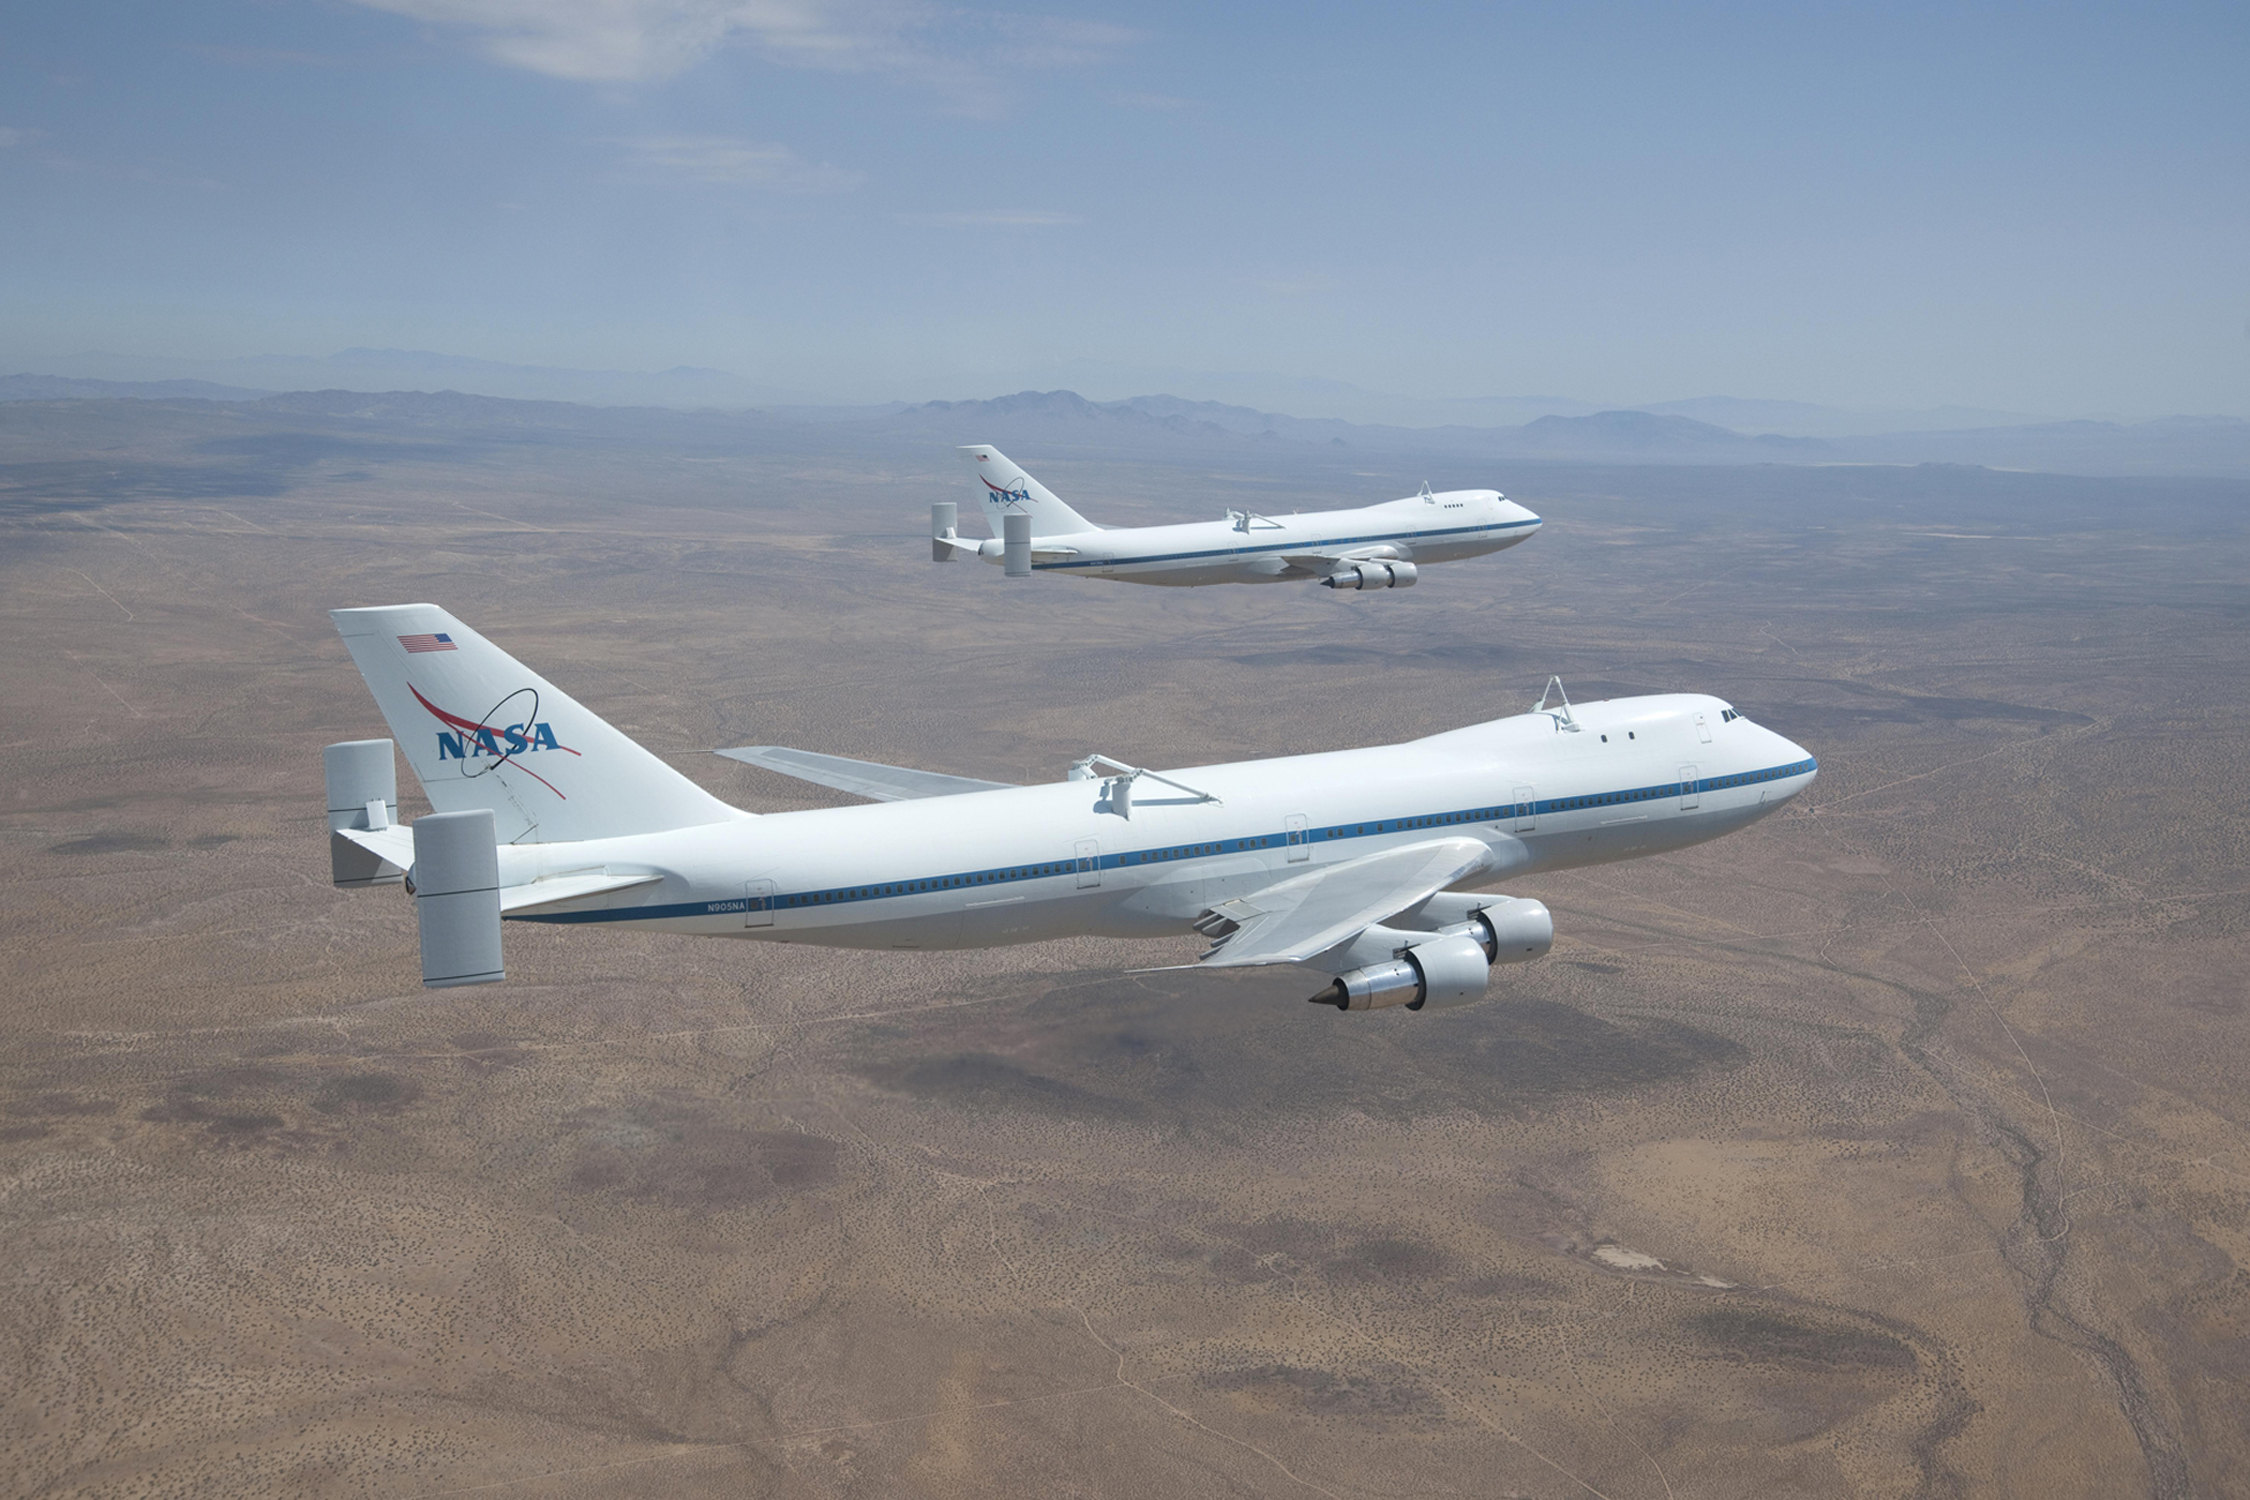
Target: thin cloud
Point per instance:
(18, 135)
(1007, 218)
(1164, 102)
(728, 161)
(636, 41)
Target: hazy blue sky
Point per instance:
(2041, 209)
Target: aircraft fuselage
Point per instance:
(1637, 776)
(1258, 549)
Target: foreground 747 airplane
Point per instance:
(1375, 547)
(1351, 863)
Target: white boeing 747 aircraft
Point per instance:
(1357, 864)
(1375, 547)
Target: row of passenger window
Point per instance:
(1611, 799)
(915, 887)
(1397, 825)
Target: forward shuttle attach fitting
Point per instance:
(1120, 787)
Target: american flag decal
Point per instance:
(417, 644)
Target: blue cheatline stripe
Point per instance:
(1298, 546)
(1056, 869)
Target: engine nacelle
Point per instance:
(1449, 969)
(1374, 575)
(1510, 929)
(1452, 965)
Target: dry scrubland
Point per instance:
(1896, 1146)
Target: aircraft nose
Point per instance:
(1803, 767)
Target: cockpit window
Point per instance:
(1728, 716)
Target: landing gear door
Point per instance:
(757, 911)
(1300, 849)
(1089, 863)
(1690, 789)
(1526, 801)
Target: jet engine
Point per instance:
(1451, 966)
(1374, 575)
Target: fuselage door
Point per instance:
(1526, 799)
(758, 910)
(1089, 863)
(1299, 849)
(1689, 795)
(1703, 729)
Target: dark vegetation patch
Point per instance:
(244, 1124)
(980, 1080)
(236, 1106)
(30, 1132)
(1507, 1286)
(1536, 1049)
(33, 488)
(366, 1093)
(1198, 1062)
(1326, 1393)
(112, 843)
(299, 449)
(51, 1105)
(1386, 1260)
(1759, 1337)
(671, 1152)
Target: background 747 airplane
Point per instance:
(1374, 547)
(1359, 865)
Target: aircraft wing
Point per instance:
(1308, 914)
(862, 778)
(1334, 559)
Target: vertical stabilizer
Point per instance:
(1009, 490)
(482, 730)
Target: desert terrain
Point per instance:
(1895, 1146)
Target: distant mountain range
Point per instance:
(690, 387)
(2215, 446)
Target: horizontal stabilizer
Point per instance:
(556, 889)
(394, 845)
(862, 778)
(1305, 916)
